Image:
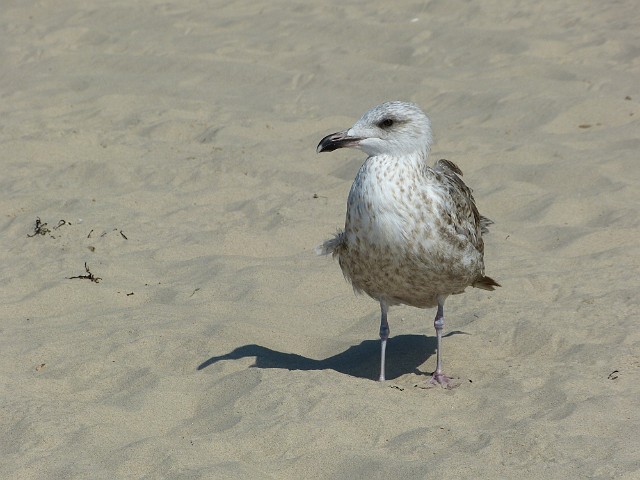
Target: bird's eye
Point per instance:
(386, 123)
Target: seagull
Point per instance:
(412, 234)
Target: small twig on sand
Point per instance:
(88, 276)
(40, 228)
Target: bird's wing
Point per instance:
(333, 246)
(462, 207)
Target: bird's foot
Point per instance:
(442, 380)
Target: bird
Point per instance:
(413, 235)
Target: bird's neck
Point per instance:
(398, 164)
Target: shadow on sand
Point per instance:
(405, 353)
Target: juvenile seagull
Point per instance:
(413, 234)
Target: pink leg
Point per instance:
(438, 377)
(384, 335)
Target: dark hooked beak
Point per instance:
(337, 140)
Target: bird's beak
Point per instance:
(337, 140)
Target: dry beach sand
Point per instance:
(177, 142)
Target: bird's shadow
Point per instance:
(405, 353)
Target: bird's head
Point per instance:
(392, 128)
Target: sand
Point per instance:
(177, 142)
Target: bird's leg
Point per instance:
(439, 378)
(384, 334)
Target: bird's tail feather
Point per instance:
(486, 283)
(484, 224)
